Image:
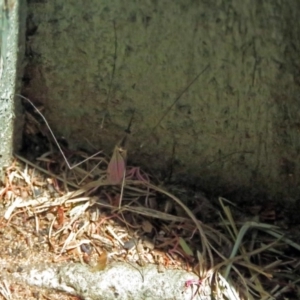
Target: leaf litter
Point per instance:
(76, 214)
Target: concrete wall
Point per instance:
(12, 43)
(238, 125)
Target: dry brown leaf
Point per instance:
(147, 226)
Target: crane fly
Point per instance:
(116, 169)
(117, 166)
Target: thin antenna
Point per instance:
(112, 76)
(127, 131)
(175, 101)
(59, 147)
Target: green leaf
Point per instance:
(187, 250)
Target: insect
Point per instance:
(117, 165)
(55, 140)
(116, 169)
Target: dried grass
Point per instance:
(240, 260)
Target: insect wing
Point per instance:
(117, 166)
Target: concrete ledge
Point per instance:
(119, 281)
